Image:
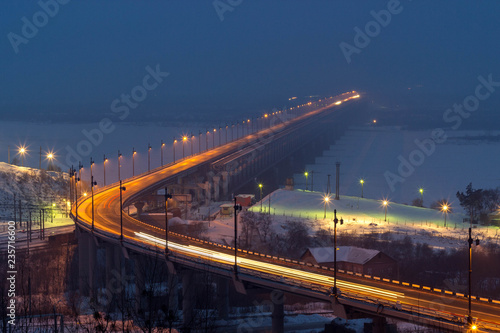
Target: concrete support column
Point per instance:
(83, 263)
(173, 292)
(216, 182)
(139, 206)
(225, 183)
(208, 192)
(278, 315)
(187, 299)
(223, 298)
(379, 325)
(92, 267)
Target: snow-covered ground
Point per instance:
(370, 152)
(424, 225)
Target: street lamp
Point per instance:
(192, 139)
(184, 139)
(335, 221)
(213, 139)
(220, 141)
(306, 174)
(444, 208)
(122, 188)
(92, 183)
(149, 157)
(206, 139)
(385, 203)
(161, 151)
(22, 151)
(237, 208)
(50, 158)
(361, 181)
(326, 199)
(173, 147)
(260, 188)
(133, 161)
(421, 190)
(119, 164)
(470, 321)
(226, 132)
(167, 196)
(104, 168)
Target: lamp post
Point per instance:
(444, 208)
(149, 157)
(335, 221)
(22, 151)
(213, 138)
(306, 174)
(326, 199)
(226, 132)
(161, 152)
(77, 179)
(362, 182)
(385, 203)
(260, 189)
(167, 196)
(192, 139)
(206, 139)
(92, 183)
(421, 190)
(133, 161)
(173, 147)
(104, 168)
(184, 139)
(50, 158)
(119, 164)
(237, 208)
(470, 322)
(220, 141)
(122, 188)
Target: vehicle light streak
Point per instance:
(274, 269)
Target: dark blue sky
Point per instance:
(262, 53)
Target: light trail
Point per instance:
(280, 271)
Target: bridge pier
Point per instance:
(92, 246)
(223, 298)
(83, 263)
(139, 206)
(379, 324)
(278, 315)
(113, 274)
(187, 299)
(139, 282)
(225, 183)
(216, 186)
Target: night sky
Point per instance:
(90, 52)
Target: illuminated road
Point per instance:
(390, 295)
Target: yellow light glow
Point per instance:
(338, 102)
(385, 202)
(362, 181)
(22, 150)
(265, 116)
(50, 156)
(327, 199)
(260, 185)
(374, 121)
(306, 174)
(184, 138)
(84, 194)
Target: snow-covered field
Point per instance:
(424, 225)
(370, 152)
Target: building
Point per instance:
(245, 200)
(353, 259)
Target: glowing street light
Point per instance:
(92, 184)
(161, 151)
(213, 138)
(119, 164)
(184, 139)
(133, 161)
(445, 208)
(385, 203)
(326, 199)
(362, 182)
(421, 190)
(22, 151)
(122, 188)
(173, 147)
(306, 174)
(105, 160)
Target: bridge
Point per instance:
(103, 222)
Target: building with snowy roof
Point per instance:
(353, 259)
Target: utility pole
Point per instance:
(237, 208)
(337, 184)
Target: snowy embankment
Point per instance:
(33, 190)
(424, 225)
